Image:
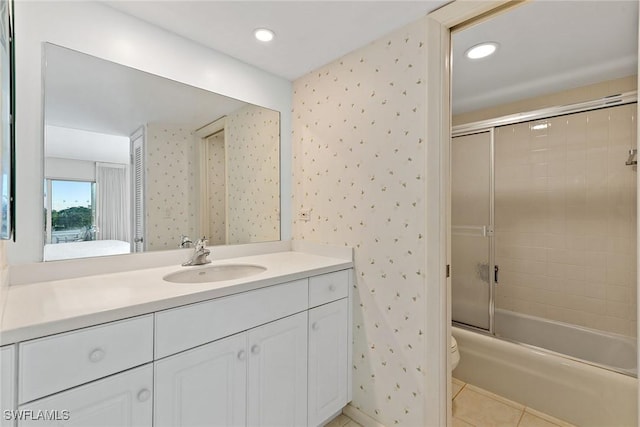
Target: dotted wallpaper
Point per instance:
(170, 185)
(217, 193)
(359, 167)
(253, 175)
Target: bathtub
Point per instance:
(577, 392)
(608, 350)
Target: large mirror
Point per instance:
(7, 182)
(134, 162)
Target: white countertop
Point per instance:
(44, 308)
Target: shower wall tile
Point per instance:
(359, 167)
(566, 219)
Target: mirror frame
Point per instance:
(7, 232)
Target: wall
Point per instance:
(570, 96)
(80, 170)
(566, 219)
(84, 145)
(4, 271)
(217, 196)
(96, 29)
(253, 183)
(4, 278)
(171, 189)
(359, 167)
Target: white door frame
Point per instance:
(438, 287)
(203, 134)
(438, 131)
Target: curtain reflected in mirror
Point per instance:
(134, 161)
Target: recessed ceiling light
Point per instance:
(264, 34)
(540, 126)
(481, 50)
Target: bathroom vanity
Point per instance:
(269, 349)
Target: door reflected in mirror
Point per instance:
(134, 161)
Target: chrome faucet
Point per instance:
(200, 254)
(185, 241)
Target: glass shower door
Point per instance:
(472, 229)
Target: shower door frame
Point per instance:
(437, 409)
(489, 126)
(490, 230)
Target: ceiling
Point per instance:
(88, 93)
(545, 46)
(309, 34)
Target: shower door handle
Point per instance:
(496, 269)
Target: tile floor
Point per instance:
(475, 407)
(342, 421)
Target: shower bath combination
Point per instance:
(549, 204)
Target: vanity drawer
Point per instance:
(328, 287)
(186, 327)
(58, 362)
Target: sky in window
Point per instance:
(67, 194)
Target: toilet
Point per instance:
(455, 355)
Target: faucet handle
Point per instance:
(201, 243)
(185, 241)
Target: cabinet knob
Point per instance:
(315, 326)
(96, 355)
(241, 355)
(332, 287)
(144, 395)
(255, 349)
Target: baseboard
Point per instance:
(360, 417)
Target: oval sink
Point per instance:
(214, 273)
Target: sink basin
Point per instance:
(214, 273)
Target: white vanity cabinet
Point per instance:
(58, 362)
(204, 386)
(96, 376)
(122, 400)
(272, 356)
(328, 364)
(7, 384)
(277, 381)
(256, 378)
(328, 345)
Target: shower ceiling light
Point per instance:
(481, 50)
(540, 126)
(264, 34)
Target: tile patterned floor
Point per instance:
(475, 407)
(342, 421)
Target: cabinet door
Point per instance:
(7, 383)
(123, 400)
(328, 364)
(278, 373)
(205, 386)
